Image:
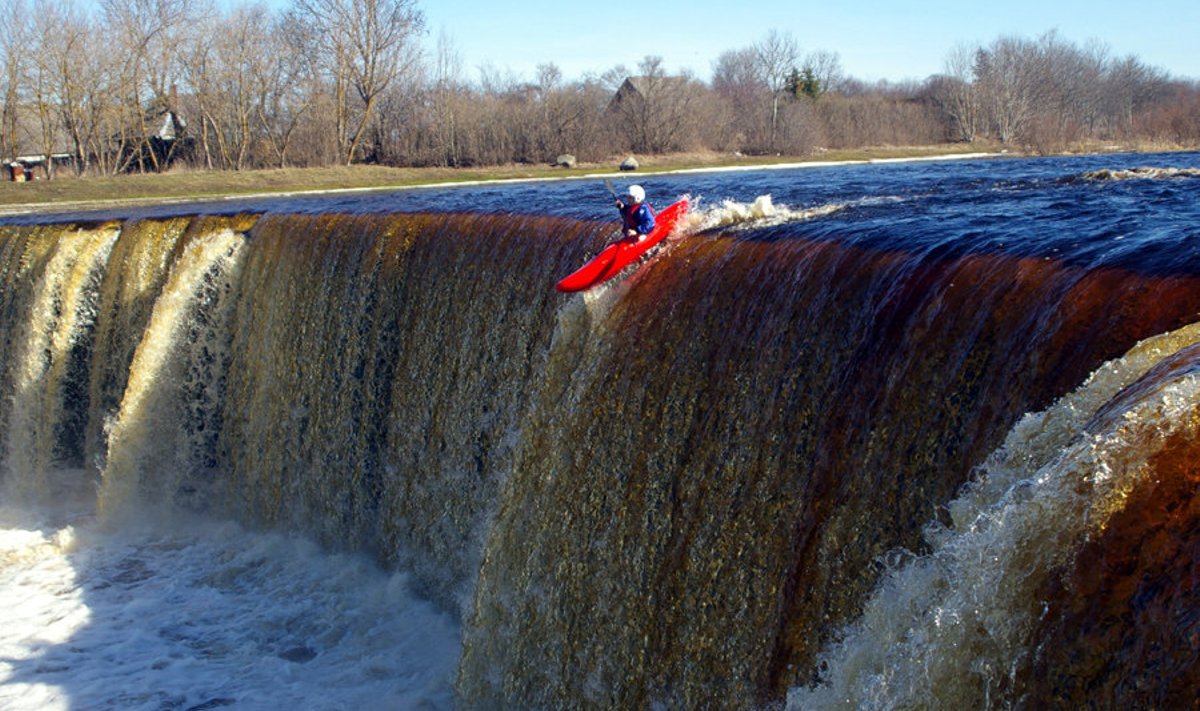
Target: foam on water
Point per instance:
(1141, 173)
(760, 212)
(951, 628)
(205, 615)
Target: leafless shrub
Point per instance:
(321, 82)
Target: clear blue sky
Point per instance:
(875, 40)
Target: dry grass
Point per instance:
(198, 184)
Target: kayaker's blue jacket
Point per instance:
(638, 217)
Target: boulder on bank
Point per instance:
(566, 160)
(629, 163)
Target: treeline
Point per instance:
(140, 85)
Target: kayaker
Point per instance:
(636, 214)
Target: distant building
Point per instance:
(168, 143)
(35, 167)
(654, 113)
(173, 127)
(634, 92)
(171, 140)
(31, 161)
(16, 172)
(164, 145)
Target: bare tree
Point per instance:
(147, 31)
(1096, 61)
(957, 94)
(448, 90)
(78, 75)
(742, 88)
(1131, 87)
(371, 43)
(1007, 75)
(566, 115)
(826, 68)
(1175, 118)
(552, 112)
(40, 80)
(736, 76)
(12, 59)
(243, 70)
(1066, 80)
(1046, 93)
(584, 127)
(289, 87)
(778, 57)
(198, 64)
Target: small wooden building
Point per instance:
(35, 167)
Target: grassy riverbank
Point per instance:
(69, 192)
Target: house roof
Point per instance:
(643, 84)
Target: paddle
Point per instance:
(608, 184)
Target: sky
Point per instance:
(892, 41)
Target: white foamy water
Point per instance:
(761, 212)
(192, 614)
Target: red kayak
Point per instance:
(618, 255)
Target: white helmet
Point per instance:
(637, 193)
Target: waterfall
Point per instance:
(51, 284)
(161, 442)
(755, 470)
(958, 624)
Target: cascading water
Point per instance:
(161, 441)
(957, 625)
(733, 478)
(807, 407)
(48, 352)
